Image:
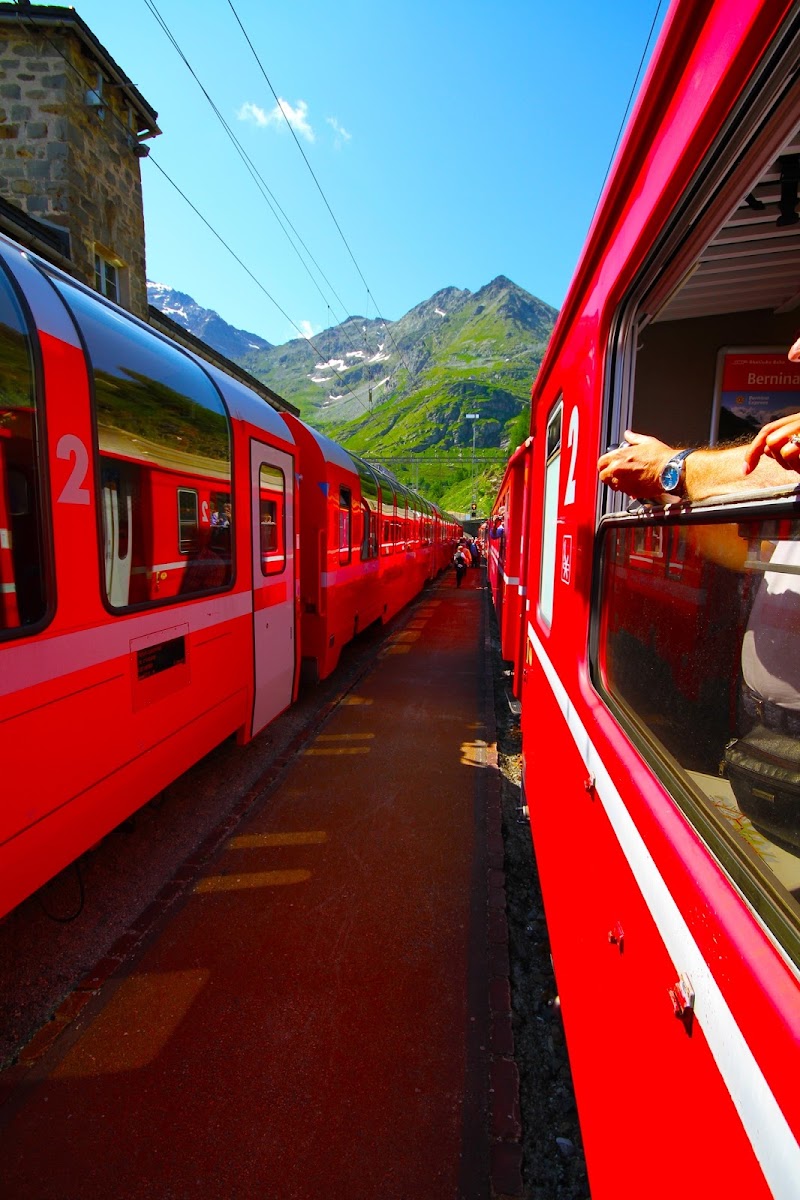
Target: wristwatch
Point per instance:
(674, 472)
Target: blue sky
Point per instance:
(454, 141)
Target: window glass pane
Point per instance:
(699, 643)
(22, 548)
(188, 522)
(161, 426)
(272, 494)
(369, 533)
(550, 514)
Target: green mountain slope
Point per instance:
(402, 390)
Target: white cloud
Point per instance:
(342, 135)
(296, 115)
(308, 331)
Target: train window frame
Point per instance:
(742, 865)
(345, 525)
(40, 503)
(160, 347)
(550, 507)
(272, 563)
(188, 544)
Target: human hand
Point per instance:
(780, 440)
(635, 467)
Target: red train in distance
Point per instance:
(672, 894)
(172, 552)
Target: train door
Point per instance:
(274, 635)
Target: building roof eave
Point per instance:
(55, 16)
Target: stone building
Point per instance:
(73, 131)
(72, 135)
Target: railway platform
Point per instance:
(320, 1007)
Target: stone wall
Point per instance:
(64, 163)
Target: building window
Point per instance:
(107, 278)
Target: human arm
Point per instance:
(776, 439)
(636, 466)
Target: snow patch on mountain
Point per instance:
(205, 323)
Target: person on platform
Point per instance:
(461, 562)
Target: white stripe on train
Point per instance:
(46, 658)
(770, 1135)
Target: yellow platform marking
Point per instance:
(356, 700)
(344, 737)
(397, 649)
(405, 635)
(255, 841)
(335, 745)
(334, 751)
(254, 879)
(135, 1025)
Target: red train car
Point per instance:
(641, 627)
(505, 552)
(369, 546)
(154, 556)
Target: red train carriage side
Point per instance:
(368, 546)
(669, 893)
(132, 647)
(149, 574)
(505, 538)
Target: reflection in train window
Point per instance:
(162, 433)
(23, 599)
(188, 521)
(271, 507)
(697, 644)
(369, 511)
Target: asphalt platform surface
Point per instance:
(323, 1010)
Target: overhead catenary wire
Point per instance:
(268, 195)
(628, 105)
(36, 28)
(255, 279)
(314, 177)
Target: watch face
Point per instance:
(671, 476)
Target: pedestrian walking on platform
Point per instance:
(461, 562)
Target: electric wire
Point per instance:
(627, 106)
(89, 84)
(314, 177)
(269, 196)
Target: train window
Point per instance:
(188, 521)
(369, 532)
(345, 524)
(272, 506)
(162, 429)
(698, 650)
(550, 513)
(23, 599)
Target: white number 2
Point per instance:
(73, 492)
(572, 443)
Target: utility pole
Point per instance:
(474, 417)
